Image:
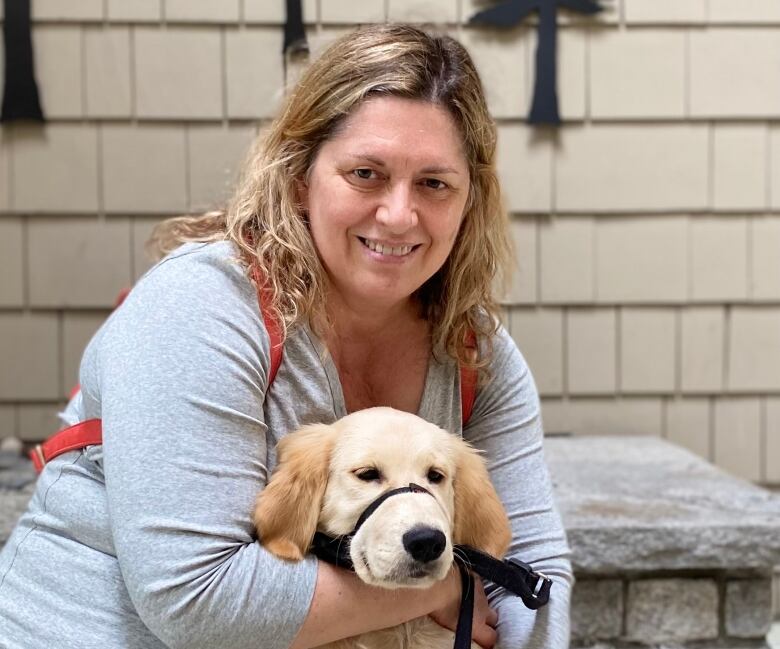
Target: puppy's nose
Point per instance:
(424, 543)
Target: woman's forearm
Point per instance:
(343, 606)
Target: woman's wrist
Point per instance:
(447, 598)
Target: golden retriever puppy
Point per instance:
(328, 475)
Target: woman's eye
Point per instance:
(435, 183)
(435, 476)
(364, 174)
(368, 475)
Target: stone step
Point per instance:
(667, 549)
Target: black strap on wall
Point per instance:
(544, 106)
(20, 92)
(294, 34)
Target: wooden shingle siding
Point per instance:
(646, 294)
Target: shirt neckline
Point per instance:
(334, 381)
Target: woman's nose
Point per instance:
(398, 212)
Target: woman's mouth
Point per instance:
(400, 250)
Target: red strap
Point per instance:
(468, 393)
(121, 297)
(272, 326)
(80, 435)
(468, 382)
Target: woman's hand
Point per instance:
(483, 624)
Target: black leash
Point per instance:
(514, 575)
(463, 629)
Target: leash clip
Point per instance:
(538, 582)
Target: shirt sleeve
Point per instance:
(180, 380)
(506, 425)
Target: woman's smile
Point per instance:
(388, 251)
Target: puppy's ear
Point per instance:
(287, 510)
(480, 518)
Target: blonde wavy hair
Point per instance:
(265, 221)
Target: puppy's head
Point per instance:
(328, 475)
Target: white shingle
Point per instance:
(539, 336)
(144, 169)
(765, 257)
(255, 72)
(524, 160)
(754, 12)
(591, 351)
(11, 263)
(567, 260)
(501, 60)
(107, 72)
(719, 258)
(754, 349)
(665, 12)
(220, 11)
(29, 343)
(642, 259)
(648, 350)
(737, 443)
(701, 349)
(688, 424)
(134, 10)
(216, 157)
(739, 169)
(623, 168)
(734, 73)
(58, 70)
(66, 156)
(637, 74)
(77, 262)
(178, 73)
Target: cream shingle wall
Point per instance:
(647, 298)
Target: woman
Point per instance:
(372, 212)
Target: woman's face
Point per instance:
(385, 198)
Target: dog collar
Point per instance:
(516, 576)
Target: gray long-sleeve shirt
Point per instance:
(147, 540)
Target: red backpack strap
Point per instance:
(85, 433)
(468, 382)
(272, 325)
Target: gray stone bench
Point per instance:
(667, 549)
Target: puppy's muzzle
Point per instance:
(424, 540)
(424, 544)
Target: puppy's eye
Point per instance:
(435, 476)
(368, 475)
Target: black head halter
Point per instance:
(514, 575)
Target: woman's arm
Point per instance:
(178, 375)
(343, 606)
(506, 425)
